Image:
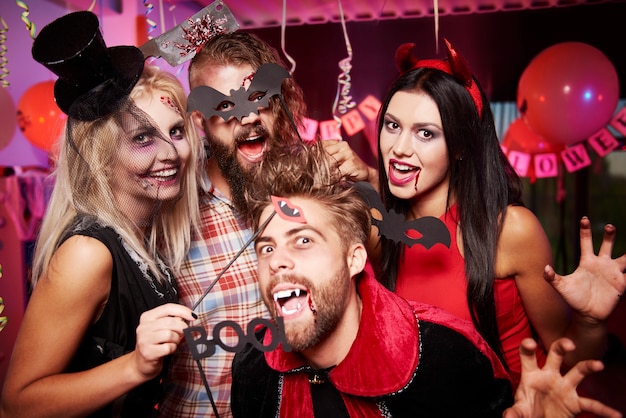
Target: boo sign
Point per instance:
(201, 346)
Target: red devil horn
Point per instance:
(459, 66)
(462, 72)
(405, 60)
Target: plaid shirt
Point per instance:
(235, 297)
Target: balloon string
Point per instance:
(4, 71)
(343, 99)
(282, 39)
(151, 23)
(29, 24)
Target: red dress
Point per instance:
(437, 276)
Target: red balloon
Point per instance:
(568, 92)
(38, 116)
(520, 137)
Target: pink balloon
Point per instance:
(7, 118)
(519, 137)
(568, 92)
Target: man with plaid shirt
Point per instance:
(227, 64)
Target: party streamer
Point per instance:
(162, 16)
(436, 13)
(29, 24)
(171, 10)
(174, 24)
(282, 39)
(3, 319)
(4, 70)
(343, 100)
(151, 23)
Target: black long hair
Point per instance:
(482, 180)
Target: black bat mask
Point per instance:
(394, 227)
(266, 83)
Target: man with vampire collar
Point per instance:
(242, 97)
(353, 348)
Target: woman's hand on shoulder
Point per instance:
(159, 332)
(352, 167)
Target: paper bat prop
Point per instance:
(265, 84)
(181, 43)
(393, 226)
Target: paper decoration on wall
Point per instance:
(531, 156)
(543, 164)
(352, 122)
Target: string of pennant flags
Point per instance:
(541, 165)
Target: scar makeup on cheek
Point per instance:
(247, 79)
(167, 101)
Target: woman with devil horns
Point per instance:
(440, 158)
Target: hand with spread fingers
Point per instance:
(545, 392)
(594, 289)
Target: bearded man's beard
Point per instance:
(329, 301)
(236, 175)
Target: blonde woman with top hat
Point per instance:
(104, 313)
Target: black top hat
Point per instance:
(93, 79)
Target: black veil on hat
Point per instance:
(93, 79)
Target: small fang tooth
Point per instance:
(297, 292)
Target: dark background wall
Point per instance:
(498, 46)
